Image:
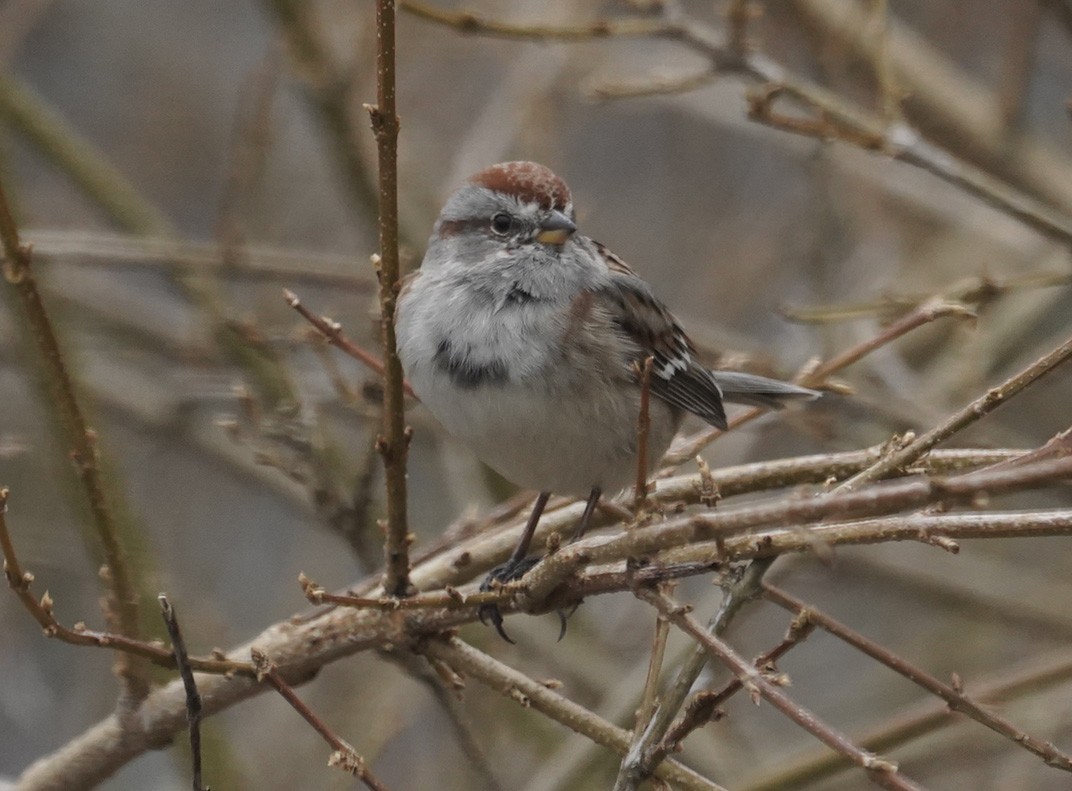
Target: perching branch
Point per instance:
(395, 440)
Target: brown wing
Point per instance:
(676, 376)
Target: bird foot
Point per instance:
(500, 575)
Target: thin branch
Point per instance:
(468, 661)
(920, 720)
(81, 439)
(816, 376)
(646, 753)
(980, 407)
(333, 334)
(956, 699)
(879, 770)
(344, 756)
(470, 22)
(640, 487)
(94, 175)
(704, 706)
(19, 580)
(260, 262)
(649, 695)
(193, 698)
(394, 443)
(878, 499)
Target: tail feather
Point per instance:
(760, 391)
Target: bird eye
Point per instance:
(501, 223)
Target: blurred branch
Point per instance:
(329, 89)
(944, 99)
(975, 292)
(259, 262)
(471, 22)
(19, 580)
(94, 174)
(394, 443)
(954, 698)
(122, 599)
(840, 120)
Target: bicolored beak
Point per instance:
(555, 229)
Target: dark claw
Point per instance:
(563, 616)
(508, 572)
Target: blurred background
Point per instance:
(175, 165)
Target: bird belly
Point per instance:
(565, 441)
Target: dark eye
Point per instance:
(501, 223)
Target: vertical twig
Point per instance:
(193, 697)
(395, 440)
(643, 429)
(123, 604)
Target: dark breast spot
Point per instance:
(465, 372)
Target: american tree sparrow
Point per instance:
(523, 337)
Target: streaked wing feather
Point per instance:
(676, 376)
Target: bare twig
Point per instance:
(333, 334)
(467, 660)
(469, 22)
(193, 698)
(395, 440)
(922, 719)
(649, 696)
(640, 487)
(19, 580)
(879, 770)
(704, 705)
(646, 752)
(980, 407)
(344, 756)
(956, 699)
(81, 439)
(817, 375)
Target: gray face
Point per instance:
(478, 223)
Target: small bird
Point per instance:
(524, 338)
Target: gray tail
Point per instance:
(759, 390)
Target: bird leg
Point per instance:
(514, 568)
(518, 563)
